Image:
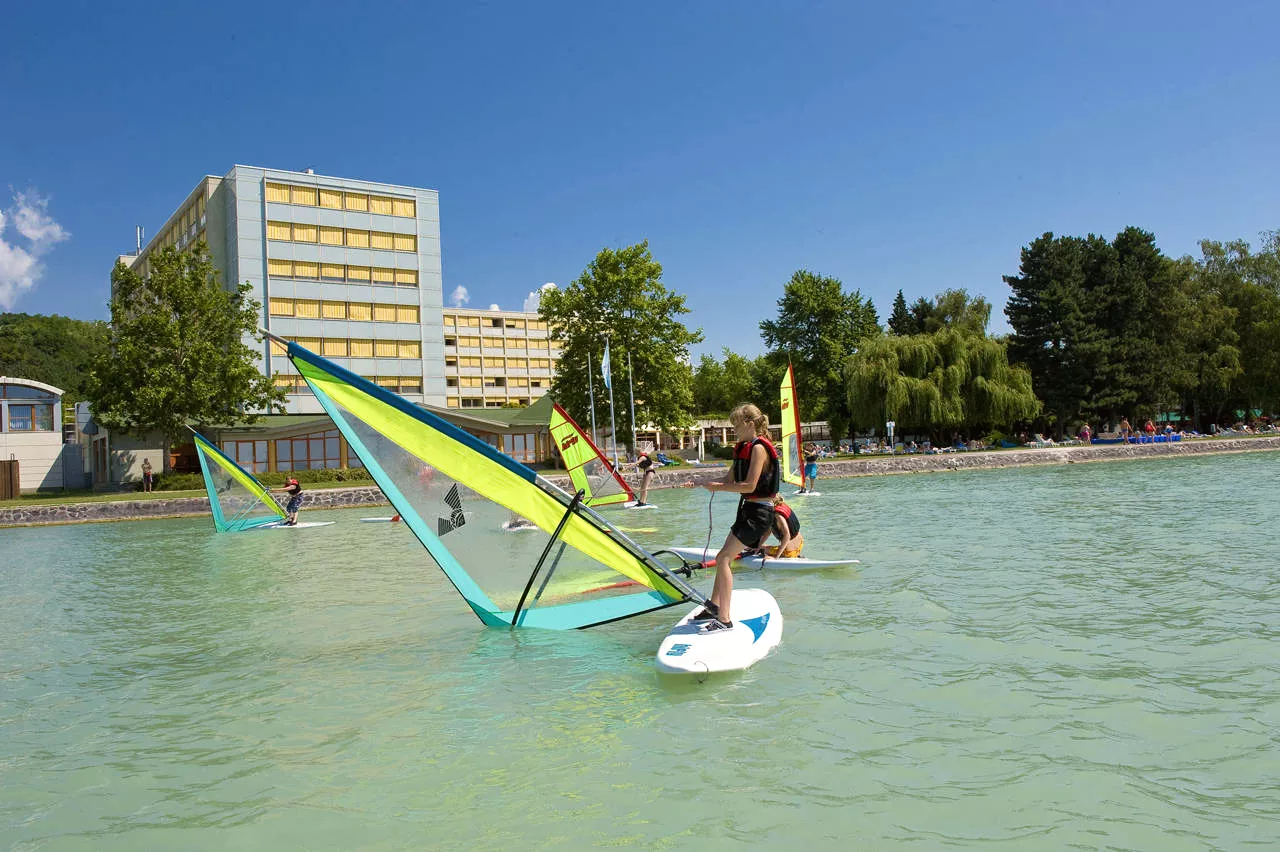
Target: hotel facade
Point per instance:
(495, 358)
(351, 269)
(348, 268)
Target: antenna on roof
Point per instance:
(138, 232)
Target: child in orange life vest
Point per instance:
(786, 526)
(755, 476)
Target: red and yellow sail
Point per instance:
(791, 454)
(589, 470)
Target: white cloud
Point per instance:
(20, 267)
(534, 299)
(459, 296)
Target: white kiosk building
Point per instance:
(31, 433)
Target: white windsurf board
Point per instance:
(386, 520)
(281, 525)
(636, 505)
(515, 528)
(757, 629)
(796, 563)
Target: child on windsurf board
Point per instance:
(294, 490)
(786, 526)
(809, 483)
(754, 475)
(646, 467)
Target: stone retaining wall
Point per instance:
(683, 476)
(172, 507)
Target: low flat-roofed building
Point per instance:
(31, 432)
(290, 442)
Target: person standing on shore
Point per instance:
(1126, 431)
(754, 475)
(1086, 435)
(146, 475)
(1150, 429)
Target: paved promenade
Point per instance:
(877, 465)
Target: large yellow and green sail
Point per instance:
(589, 471)
(237, 500)
(791, 454)
(457, 493)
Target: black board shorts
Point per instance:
(753, 523)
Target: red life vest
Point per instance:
(770, 477)
(793, 522)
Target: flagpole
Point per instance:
(608, 382)
(590, 390)
(631, 385)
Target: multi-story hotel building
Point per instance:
(493, 358)
(347, 268)
(351, 270)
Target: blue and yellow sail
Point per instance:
(238, 500)
(456, 492)
(791, 451)
(589, 471)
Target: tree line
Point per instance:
(1101, 329)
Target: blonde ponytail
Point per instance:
(748, 413)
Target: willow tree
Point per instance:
(620, 297)
(936, 383)
(819, 324)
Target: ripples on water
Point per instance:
(1074, 657)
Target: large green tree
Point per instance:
(708, 384)
(620, 297)
(957, 309)
(818, 326)
(56, 350)
(177, 350)
(1211, 339)
(1104, 327)
(901, 320)
(1054, 333)
(718, 387)
(1247, 283)
(937, 383)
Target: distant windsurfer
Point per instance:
(811, 455)
(646, 467)
(519, 524)
(754, 475)
(294, 490)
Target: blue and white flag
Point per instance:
(604, 366)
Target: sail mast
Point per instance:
(606, 368)
(591, 394)
(451, 489)
(632, 387)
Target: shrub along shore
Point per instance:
(159, 506)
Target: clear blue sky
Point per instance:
(914, 148)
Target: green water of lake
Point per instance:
(1077, 657)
